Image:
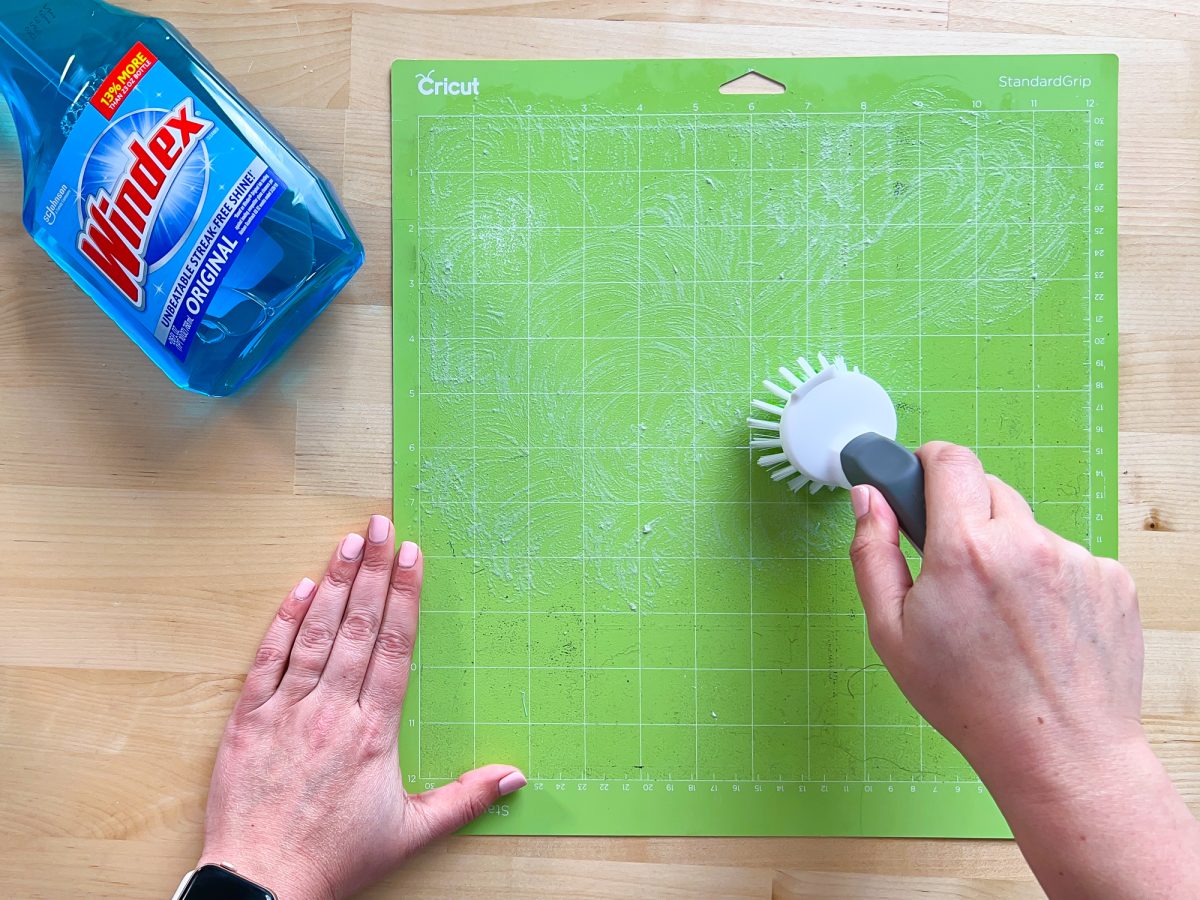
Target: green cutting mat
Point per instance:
(596, 263)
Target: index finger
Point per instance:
(957, 493)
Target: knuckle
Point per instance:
(1075, 553)
(943, 455)
(376, 564)
(403, 588)
(958, 456)
(933, 451)
(288, 613)
(360, 625)
(1118, 573)
(1127, 584)
(269, 656)
(1132, 598)
(340, 575)
(1002, 488)
(380, 737)
(1119, 577)
(315, 636)
(862, 549)
(394, 645)
(1043, 551)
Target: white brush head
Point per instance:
(823, 414)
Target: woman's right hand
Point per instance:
(1025, 651)
(1022, 648)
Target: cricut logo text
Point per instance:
(427, 85)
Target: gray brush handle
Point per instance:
(896, 473)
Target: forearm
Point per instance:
(1111, 828)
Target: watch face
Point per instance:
(216, 883)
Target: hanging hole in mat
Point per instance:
(753, 83)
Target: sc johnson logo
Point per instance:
(432, 87)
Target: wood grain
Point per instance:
(146, 535)
(840, 886)
(1116, 18)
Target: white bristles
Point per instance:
(791, 379)
(789, 376)
(775, 389)
(765, 443)
(772, 459)
(798, 482)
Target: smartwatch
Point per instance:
(219, 883)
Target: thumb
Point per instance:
(880, 569)
(451, 806)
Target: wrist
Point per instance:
(1062, 766)
(1107, 823)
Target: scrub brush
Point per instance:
(837, 428)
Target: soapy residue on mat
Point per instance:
(629, 244)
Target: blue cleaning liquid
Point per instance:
(208, 239)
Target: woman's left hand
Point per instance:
(306, 796)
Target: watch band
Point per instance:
(187, 879)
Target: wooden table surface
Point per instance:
(146, 534)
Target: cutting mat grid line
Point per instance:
(474, 460)
(640, 765)
(527, 697)
(695, 441)
(697, 413)
(598, 118)
(863, 337)
(616, 592)
(584, 450)
(808, 717)
(921, 725)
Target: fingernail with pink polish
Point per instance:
(352, 545)
(408, 558)
(511, 783)
(304, 589)
(377, 531)
(860, 500)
